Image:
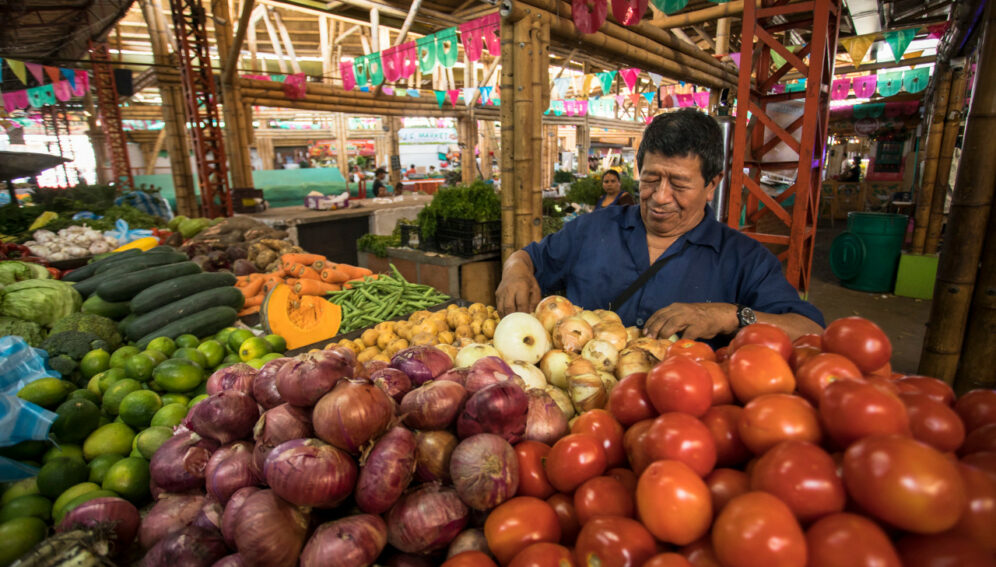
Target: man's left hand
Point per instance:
(692, 321)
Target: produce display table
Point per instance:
(427, 186)
(473, 279)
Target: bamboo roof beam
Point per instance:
(409, 19)
(285, 37)
(664, 21)
(272, 33)
(232, 62)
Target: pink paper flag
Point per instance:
(736, 58)
(53, 73)
(778, 89)
(37, 71)
(910, 108)
(893, 109)
(936, 31)
(454, 96)
(685, 100)
(388, 90)
(389, 59)
(864, 87)
(582, 107)
(492, 33)
(295, 87)
(570, 107)
(472, 37)
(15, 100)
(348, 78)
(619, 99)
(635, 98)
(840, 89)
(82, 85)
(629, 75)
(407, 54)
(63, 90)
(701, 99)
(648, 119)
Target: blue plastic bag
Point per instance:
(20, 420)
(86, 215)
(124, 235)
(20, 364)
(151, 203)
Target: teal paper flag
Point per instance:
(670, 6)
(890, 83)
(40, 96)
(898, 41)
(440, 97)
(375, 68)
(650, 97)
(447, 47)
(916, 80)
(426, 47)
(606, 79)
(360, 70)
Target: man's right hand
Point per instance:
(518, 290)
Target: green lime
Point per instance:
(172, 398)
(164, 345)
(113, 438)
(170, 415)
(213, 350)
(25, 450)
(68, 495)
(238, 337)
(187, 341)
(95, 362)
(85, 497)
(137, 408)
(222, 335)
(65, 450)
(156, 356)
(121, 355)
(141, 365)
(99, 466)
(148, 442)
(196, 400)
(59, 474)
(92, 385)
(253, 348)
(193, 355)
(178, 375)
(112, 375)
(117, 392)
(46, 392)
(277, 343)
(32, 505)
(76, 419)
(85, 394)
(256, 363)
(19, 536)
(20, 488)
(104, 420)
(130, 478)
(231, 359)
(272, 356)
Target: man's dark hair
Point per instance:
(685, 133)
(612, 172)
(380, 170)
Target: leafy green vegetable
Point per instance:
(101, 326)
(43, 301)
(377, 244)
(561, 176)
(32, 332)
(13, 271)
(74, 344)
(476, 202)
(587, 190)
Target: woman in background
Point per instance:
(613, 193)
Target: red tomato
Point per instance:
(724, 485)
(680, 384)
(803, 476)
(764, 334)
(800, 355)
(681, 437)
(629, 402)
(770, 419)
(674, 502)
(984, 461)
(977, 408)
(563, 505)
(756, 370)
(602, 426)
(933, 422)
(700, 553)
(470, 559)
(757, 529)
(723, 423)
(936, 389)
(574, 459)
(978, 521)
(625, 476)
(609, 541)
(944, 550)
(859, 339)
(602, 496)
(634, 442)
(811, 340)
(722, 353)
(905, 483)
(668, 560)
(884, 371)
(517, 523)
(819, 371)
(982, 439)
(721, 392)
(852, 410)
(691, 349)
(532, 474)
(544, 555)
(849, 540)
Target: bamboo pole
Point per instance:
(931, 153)
(374, 29)
(952, 126)
(341, 136)
(325, 47)
(541, 101)
(525, 153)
(970, 207)
(274, 41)
(287, 41)
(97, 140)
(486, 132)
(236, 140)
(467, 131)
(150, 164)
(976, 368)
(734, 8)
(407, 25)
(394, 150)
(228, 71)
(251, 39)
(507, 157)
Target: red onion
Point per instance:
(180, 462)
(422, 363)
(350, 542)
(235, 377)
(110, 511)
(469, 540)
(209, 516)
(277, 425)
(372, 366)
(433, 450)
(433, 405)
(387, 471)
(352, 414)
(545, 421)
(394, 382)
(231, 514)
(426, 519)
(191, 547)
(264, 386)
(229, 469)
(269, 532)
(485, 471)
(233, 560)
(499, 408)
(309, 472)
(173, 513)
(307, 378)
(458, 375)
(225, 417)
(485, 371)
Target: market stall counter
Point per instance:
(473, 278)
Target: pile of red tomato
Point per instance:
(766, 453)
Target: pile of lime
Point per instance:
(105, 434)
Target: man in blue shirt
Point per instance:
(715, 279)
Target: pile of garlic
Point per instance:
(70, 242)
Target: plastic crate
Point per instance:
(411, 235)
(462, 237)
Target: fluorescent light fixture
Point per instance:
(864, 14)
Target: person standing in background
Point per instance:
(613, 193)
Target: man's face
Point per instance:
(673, 194)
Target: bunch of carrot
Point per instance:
(307, 274)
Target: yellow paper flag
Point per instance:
(18, 68)
(857, 47)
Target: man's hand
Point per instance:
(518, 290)
(692, 321)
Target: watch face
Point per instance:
(747, 316)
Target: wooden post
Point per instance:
(970, 210)
(236, 139)
(235, 51)
(274, 40)
(952, 126)
(97, 140)
(251, 39)
(150, 162)
(976, 368)
(507, 162)
(341, 136)
(264, 147)
(486, 133)
(325, 46)
(931, 153)
(287, 41)
(522, 127)
(467, 135)
(394, 151)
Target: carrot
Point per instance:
(301, 258)
(332, 274)
(254, 300)
(253, 287)
(309, 274)
(320, 265)
(249, 310)
(314, 287)
(354, 272)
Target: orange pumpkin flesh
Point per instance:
(300, 319)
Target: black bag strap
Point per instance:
(643, 279)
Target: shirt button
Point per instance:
(639, 322)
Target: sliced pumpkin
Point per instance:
(301, 320)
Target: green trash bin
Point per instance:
(866, 257)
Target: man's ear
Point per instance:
(711, 187)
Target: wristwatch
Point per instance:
(745, 316)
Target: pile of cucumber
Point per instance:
(157, 293)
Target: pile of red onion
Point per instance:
(321, 460)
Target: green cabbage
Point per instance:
(41, 301)
(13, 271)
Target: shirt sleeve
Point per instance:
(554, 257)
(626, 198)
(766, 290)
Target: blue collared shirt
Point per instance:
(598, 255)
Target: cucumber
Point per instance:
(161, 248)
(201, 324)
(149, 322)
(146, 260)
(90, 269)
(175, 289)
(127, 286)
(89, 285)
(117, 310)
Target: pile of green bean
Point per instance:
(387, 297)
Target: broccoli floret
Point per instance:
(63, 364)
(31, 332)
(91, 323)
(74, 344)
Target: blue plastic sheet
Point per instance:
(20, 420)
(124, 234)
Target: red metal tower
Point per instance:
(110, 114)
(189, 25)
(806, 135)
(55, 119)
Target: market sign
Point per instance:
(427, 136)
